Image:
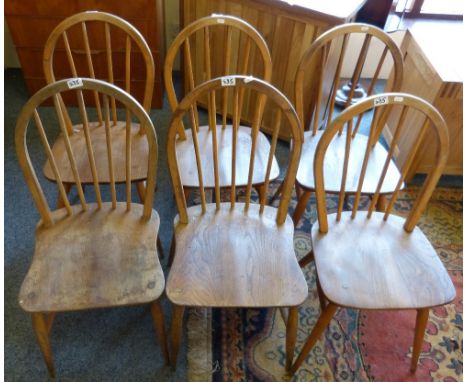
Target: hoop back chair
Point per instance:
(243, 51)
(326, 59)
(367, 259)
(97, 253)
(234, 254)
(120, 45)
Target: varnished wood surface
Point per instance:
(92, 259)
(235, 259)
(139, 149)
(432, 72)
(186, 157)
(372, 264)
(287, 29)
(333, 166)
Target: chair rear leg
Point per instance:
(42, 333)
(261, 189)
(176, 332)
(317, 331)
(301, 206)
(141, 189)
(421, 322)
(158, 320)
(277, 193)
(381, 203)
(67, 187)
(291, 334)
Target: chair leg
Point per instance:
(317, 331)
(158, 320)
(321, 295)
(306, 259)
(381, 203)
(176, 332)
(187, 192)
(277, 193)
(42, 333)
(261, 189)
(291, 334)
(60, 202)
(160, 247)
(421, 322)
(141, 189)
(301, 206)
(171, 251)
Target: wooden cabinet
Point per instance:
(31, 21)
(288, 30)
(433, 66)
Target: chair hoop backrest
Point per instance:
(53, 91)
(230, 23)
(265, 93)
(410, 104)
(60, 31)
(313, 107)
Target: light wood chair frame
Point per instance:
(42, 321)
(133, 37)
(315, 58)
(182, 43)
(436, 124)
(286, 110)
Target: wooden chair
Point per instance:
(234, 254)
(91, 254)
(121, 44)
(377, 260)
(243, 51)
(325, 59)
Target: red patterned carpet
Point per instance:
(249, 345)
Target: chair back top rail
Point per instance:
(107, 91)
(330, 51)
(407, 106)
(197, 42)
(264, 92)
(78, 25)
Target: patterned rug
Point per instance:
(249, 344)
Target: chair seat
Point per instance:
(188, 165)
(333, 165)
(139, 161)
(235, 259)
(375, 264)
(95, 258)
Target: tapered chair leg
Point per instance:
(171, 251)
(261, 189)
(158, 320)
(301, 206)
(291, 334)
(176, 332)
(381, 203)
(317, 331)
(187, 192)
(277, 193)
(160, 247)
(306, 259)
(42, 333)
(67, 187)
(141, 189)
(321, 296)
(421, 322)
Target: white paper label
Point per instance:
(382, 100)
(75, 83)
(228, 81)
(398, 99)
(220, 21)
(364, 29)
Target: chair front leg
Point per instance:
(301, 206)
(291, 335)
(317, 331)
(41, 329)
(158, 320)
(421, 322)
(176, 332)
(141, 189)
